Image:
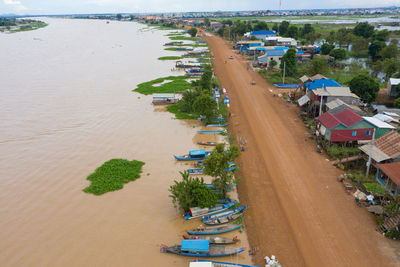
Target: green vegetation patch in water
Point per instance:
(177, 83)
(170, 58)
(181, 115)
(112, 176)
(183, 38)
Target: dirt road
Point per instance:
(296, 208)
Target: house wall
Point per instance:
(347, 135)
(381, 131)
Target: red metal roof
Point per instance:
(328, 120)
(392, 170)
(348, 117)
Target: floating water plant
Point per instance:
(112, 176)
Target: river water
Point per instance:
(66, 108)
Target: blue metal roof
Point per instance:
(263, 33)
(319, 83)
(274, 52)
(201, 245)
(261, 49)
(198, 152)
(281, 48)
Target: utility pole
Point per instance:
(371, 145)
(284, 71)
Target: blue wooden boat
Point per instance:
(223, 217)
(196, 171)
(211, 132)
(214, 230)
(197, 212)
(193, 74)
(194, 155)
(219, 119)
(222, 264)
(223, 200)
(212, 187)
(217, 125)
(218, 240)
(200, 248)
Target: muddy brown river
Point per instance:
(66, 107)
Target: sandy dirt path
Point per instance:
(296, 208)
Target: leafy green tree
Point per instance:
(307, 28)
(359, 44)
(191, 192)
(253, 38)
(397, 103)
(205, 79)
(227, 21)
(272, 64)
(326, 48)
(375, 48)
(343, 36)
(261, 26)
(188, 98)
(217, 165)
(338, 54)
(119, 16)
(205, 105)
(290, 59)
(283, 28)
(207, 22)
(381, 35)
(391, 66)
(331, 38)
(363, 29)
(319, 66)
(365, 87)
(240, 28)
(292, 31)
(275, 27)
(390, 51)
(192, 32)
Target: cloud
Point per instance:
(17, 5)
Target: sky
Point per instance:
(38, 7)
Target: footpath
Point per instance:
(296, 208)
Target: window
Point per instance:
(368, 132)
(354, 133)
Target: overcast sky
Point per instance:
(114, 6)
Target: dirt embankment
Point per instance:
(296, 208)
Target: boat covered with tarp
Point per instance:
(200, 248)
(204, 263)
(197, 212)
(221, 240)
(198, 154)
(223, 217)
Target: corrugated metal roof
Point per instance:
(340, 108)
(392, 170)
(334, 91)
(378, 123)
(348, 117)
(318, 76)
(394, 81)
(304, 78)
(275, 52)
(303, 100)
(389, 143)
(377, 154)
(335, 103)
(195, 245)
(328, 120)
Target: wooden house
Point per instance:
(388, 176)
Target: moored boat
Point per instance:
(197, 212)
(215, 230)
(215, 239)
(194, 155)
(207, 143)
(211, 132)
(206, 263)
(200, 248)
(196, 171)
(223, 217)
(217, 125)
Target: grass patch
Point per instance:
(174, 49)
(338, 152)
(360, 177)
(183, 38)
(177, 83)
(374, 188)
(170, 58)
(112, 176)
(276, 77)
(180, 115)
(30, 27)
(176, 34)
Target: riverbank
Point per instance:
(10, 25)
(313, 221)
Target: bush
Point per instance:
(337, 152)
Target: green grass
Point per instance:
(183, 38)
(173, 49)
(175, 34)
(32, 26)
(177, 83)
(180, 115)
(338, 152)
(170, 58)
(358, 176)
(375, 188)
(112, 176)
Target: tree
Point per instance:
(363, 29)
(331, 38)
(272, 64)
(261, 26)
(338, 54)
(283, 28)
(381, 35)
(359, 44)
(253, 38)
(292, 31)
(192, 32)
(390, 51)
(326, 48)
(375, 48)
(365, 87)
(390, 67)
(275, 27)
(307, 28)
(290, 59)
(319, 66)
(343, 36)
(207, 22)
(119, 16)
(217, 165)
(188, 98)
(206, 106)
(397, 103)
(205, 79)
(191, 192)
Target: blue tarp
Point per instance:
(199, 152)
(281, 48)
(274, 52)
(286, 85)
(244, 48)
(255, 44)
(319, 83)
(272, 33)
(201, 245)
(261, 49)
